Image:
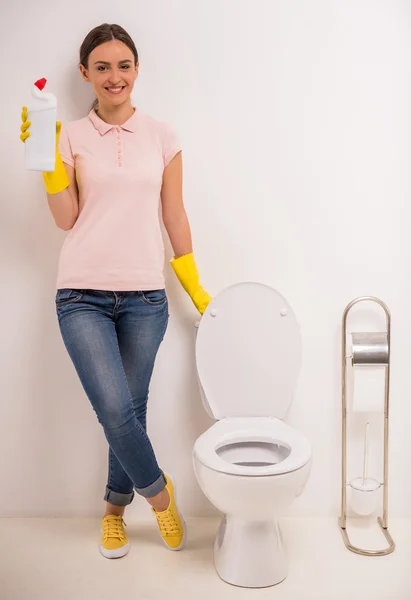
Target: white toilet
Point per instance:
(250, 464)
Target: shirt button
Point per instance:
(119, 164)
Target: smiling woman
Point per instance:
(114, 169)
(109, 61)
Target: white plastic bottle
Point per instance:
(41, 144)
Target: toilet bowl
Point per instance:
(250, 464)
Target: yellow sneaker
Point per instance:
(170, 523)
(114, 540)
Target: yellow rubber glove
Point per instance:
(58, 180)
(186, 270)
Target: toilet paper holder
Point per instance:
(369, 348)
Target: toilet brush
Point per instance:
(365, 464)
(363, 489)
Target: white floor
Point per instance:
(58, 559)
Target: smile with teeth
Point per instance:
(115, 90)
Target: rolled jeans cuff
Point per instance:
(155, 488)
(119, 499)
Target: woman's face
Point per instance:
(112, 72)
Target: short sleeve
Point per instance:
(171, 144)
(65, 150)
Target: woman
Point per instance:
(113, 168)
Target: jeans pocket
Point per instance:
(154, 297)
(67, 296)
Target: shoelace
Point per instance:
(113, 528)
(168, 524)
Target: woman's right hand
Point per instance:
(25, 125)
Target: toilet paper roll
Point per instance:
(368, 388)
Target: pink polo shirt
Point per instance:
(116, 242)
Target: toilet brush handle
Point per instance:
(365, 466)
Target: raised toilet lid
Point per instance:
(248, 352)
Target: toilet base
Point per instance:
(250, 554)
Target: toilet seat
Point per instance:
(257, 429)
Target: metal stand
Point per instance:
(371, 348)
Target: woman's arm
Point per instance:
(178, 229)
(64, 204)
(174, 214)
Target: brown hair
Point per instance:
(101, 34)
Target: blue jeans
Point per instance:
(112, 339)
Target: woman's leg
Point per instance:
(140, 326)
(87, 324)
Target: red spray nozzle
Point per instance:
(41, 83)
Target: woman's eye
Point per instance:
(103, 68)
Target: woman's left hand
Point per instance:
(187, 273)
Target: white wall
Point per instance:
(295, 120)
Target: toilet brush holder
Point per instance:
(364, 495)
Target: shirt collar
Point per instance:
(103, 127)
